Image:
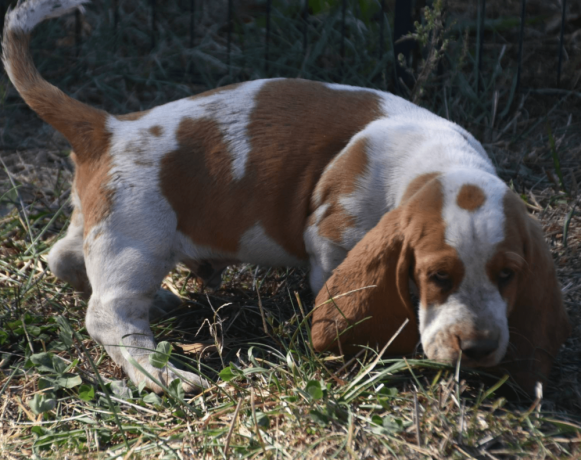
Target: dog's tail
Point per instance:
(82, 125)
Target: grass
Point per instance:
(62, 397)
(275, 397)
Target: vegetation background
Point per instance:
(62, 397)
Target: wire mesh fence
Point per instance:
(129, 55)
(262, 12)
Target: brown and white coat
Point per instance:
(286, 172)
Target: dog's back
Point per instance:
(238, 165)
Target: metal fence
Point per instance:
(401, 13)
(402, 20)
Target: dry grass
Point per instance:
(274, 396)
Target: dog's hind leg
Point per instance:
(126, 266)
(66, 259)
(67, 262)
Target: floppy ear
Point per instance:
(538, 322)
(382, 260)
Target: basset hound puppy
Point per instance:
(462, 241)
(360, 185)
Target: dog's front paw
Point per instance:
(191, 383)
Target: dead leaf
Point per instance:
(199, 348)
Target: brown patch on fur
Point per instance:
(212, 208)
(435, 292)
(84, 126)
(334, 222)
(470, 197)
(156, 130)
(295, 129)
(340, 180)
(423, 202)
(538, 322)
(133, 116)
(508, 256)
(91, 179)
(416, 185)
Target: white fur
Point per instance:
(26, 16)
(324, 256)
(29, 14)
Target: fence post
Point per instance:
(3, 8)
(192, 23)
(402, 25)
(229, 42)
(480, 44)
(343, 30)
(520, 40)
(153, 24)
(305, 24)
(381, 26)
(267, 38)
(116, 24)
(78, 32)
(561, 44)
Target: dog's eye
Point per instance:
(441, 275)
(504, 276)
(442, 279)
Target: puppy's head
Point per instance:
(481, 271)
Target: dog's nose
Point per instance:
(479, 348)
